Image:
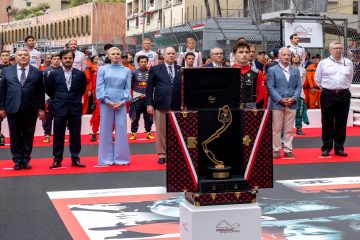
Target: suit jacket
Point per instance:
(279, 87)
(63, 101)
(159, 91)
(29, 98)
(259, 65)
(210, 65)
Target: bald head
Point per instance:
(169, 55)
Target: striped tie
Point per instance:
(22, 77)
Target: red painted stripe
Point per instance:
(313, 155)
(145, 162)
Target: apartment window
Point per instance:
(47, 32)
(78, 27)
(73, 27)
(64, 29)
(82, 27)
(355, 7)
(42, 31)
(88, 26)
(68, 29)
(28, 4)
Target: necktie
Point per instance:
(171, 75)
(22, 77)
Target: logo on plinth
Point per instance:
(225, 227)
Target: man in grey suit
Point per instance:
(284, 87)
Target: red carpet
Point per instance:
(40, 166)
(316, 132)
(148, 162)
(85, 140)
(313, 155)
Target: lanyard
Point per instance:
(337, 61)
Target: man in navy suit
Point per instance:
(66, 86)
(284, 86)
(22, 99)
(217, 58)
(163, 93)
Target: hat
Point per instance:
(276, 51)
(124, 54)
(12, 56)
(261, 52)
(316, 56)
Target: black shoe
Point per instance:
(325, 153)
(341, 153)
(93, 137)
(162, 160)
(26, 166)
(17, 166)
(299, 132)
(55, 164)
(77, 164)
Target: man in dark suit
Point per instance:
(163, 93)
(217, 58)
(22, 99)
(66, 86)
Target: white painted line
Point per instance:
(8, 168)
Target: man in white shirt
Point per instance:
(80, 60)
(190, 47)
(295, 48)
(153, 56)
(334, 76)
(35, 55)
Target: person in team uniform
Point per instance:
(153, 56)
(138, 86)
(252, 80)
(190, 44)
(80, 60)
(49, 114)
(5, 60)
(35, 55)
(295, 48)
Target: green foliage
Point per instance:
(74, 3)
(38, 10)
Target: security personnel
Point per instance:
(138, 106)
(313, 91)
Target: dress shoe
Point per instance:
(17, 166)
(149, 136)
(26, 166)
(299, 132)
(289, 155)
(55, 164)
(162, 160)
(276, 154)
(325, 153)
(46, 139)
(132, 136)
(93, 137)
(77, 164)
(341, 153)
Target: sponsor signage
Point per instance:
(310, 33)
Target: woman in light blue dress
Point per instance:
(113, 90)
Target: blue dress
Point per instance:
(113, 84)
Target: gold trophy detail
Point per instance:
(219, 170)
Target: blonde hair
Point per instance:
(114, 48)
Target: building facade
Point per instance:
(92, 24)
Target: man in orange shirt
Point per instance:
(125, 61)
(310, 85)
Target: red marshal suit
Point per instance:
(95, 118)
(260, 94)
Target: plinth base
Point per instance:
(230, 222)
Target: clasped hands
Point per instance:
(287, 101)
(115, 106)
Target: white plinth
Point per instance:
(220, 222)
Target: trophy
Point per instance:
(218, 170)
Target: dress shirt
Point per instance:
(216, 65)
(172, 67)
(334, 75)
(79, 61)
(19, 71)
(286, 71)
(68, 78)
(35, 57)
